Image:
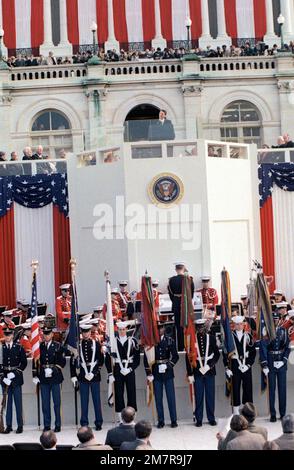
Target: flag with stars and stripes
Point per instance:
(35, 340)
(281, 174)
(34, 192)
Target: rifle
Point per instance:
(3, 407)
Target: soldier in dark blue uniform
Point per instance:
(87, 373)
(49, 375)
(203, 376)
(238, 368)
(162, 375)
(175, 292)
(273, 359)
(13, 363)
(122, 374)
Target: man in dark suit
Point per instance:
(13, 363)
(162, 129)
(49, 375)
(125, 431)
(175, 286)
(143, 431)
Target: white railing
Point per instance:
(48, 72)
(33, 167)
(123, 70)
(271, 155)
(238, 64)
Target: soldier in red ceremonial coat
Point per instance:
(116, 311)
(209, 294)
(123, 296)
(6, 321)
(63, 308)
(25, 340)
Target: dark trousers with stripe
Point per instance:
(278, 376)
(95, 392)
(204, 385)
(14, 394)
(46, 391)
(244, 380)
(128, 381)
(171, 398)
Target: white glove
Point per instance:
(204, 369)
(7, 381)
(191, 379)
(278, 364)
(162, 368)
(243, 369)
(74, 381)
(229, 373)
(36, 381)
(265, 371)
(89, 376)
(11, 375)
(125, 371)
(111, 379)
(48, 373)
(150, 378)
(104, 349)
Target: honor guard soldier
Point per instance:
(13, 363)
(162, 375)
(203, 376)
(25, 340)
(282, 309)
(209, 294)
(87, 373)
(116, 311)
(273, 359)
(63, 308)
(123, 371)
(175, 293)
(49, 375)
(238, 368)
(123, 297)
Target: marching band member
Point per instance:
(25, 340)
(209, 294)
(63, 308)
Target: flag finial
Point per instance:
(34, 265)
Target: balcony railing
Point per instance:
(275, 155)
(48, 72)
(33, 167)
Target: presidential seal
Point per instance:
(166, 189)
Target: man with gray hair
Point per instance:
(286, 440)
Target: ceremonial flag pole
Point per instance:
(73, 338)
(112, 345)
(35, 341)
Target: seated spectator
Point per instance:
(48, 440)
(87, 440)
(143, 431)
(286, 440)
(16, 169)
(244, 440)
(249, 412)
(125, 431)
(271, 445)
(223, 441)
(27, 153)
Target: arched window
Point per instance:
(241, 122)
(52, 130)
(138, 122)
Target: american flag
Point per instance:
(35, 325)
(269, 174)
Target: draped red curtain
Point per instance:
(8, 14)
(72, 21)
(37, 23)
(120, 22)
(102, 20)
(148, 17)
(196, 17)
(231, 18)
(166, 19)
(267, 240)
(62, 255)
(7, 260)
(259, 18)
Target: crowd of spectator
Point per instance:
(260, 49)
(46, 167)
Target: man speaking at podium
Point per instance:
(162, 129)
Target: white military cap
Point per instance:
(114, 290)
(123, 283)
(205, 278)
(200, 321)
(238, 319)
(8, 313)
(155, 282)
(27, 325)
(278, 292)
(64, 287)
(41, 317)
(243, 296)
(85, 326)
(122, 324)
(281, 305)
(179, 263)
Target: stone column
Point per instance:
(111, 42)
(64, 48)
(205, 39)
(47, 45)
(158, 41)
(287, 12)
(222, 37)
(270, 37)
